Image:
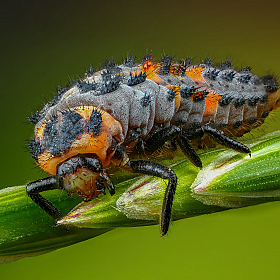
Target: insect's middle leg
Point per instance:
(159, 138)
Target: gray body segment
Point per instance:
(146, 103)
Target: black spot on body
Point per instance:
(107, 64)
(171, 94)
(95, 123)
(188, 61)
(51, 136)
(237, 124)
(59, 139)
(225, 100)
(252, 101)
(165, 64)
(86, 87)
(129, 61)
(165, 69)
(35, 148)
(167, 59)
(264, 98)
(70, 129)
(228, 76)
(136, 79)
(244, 79)
(34, 118)
(270, 83)
(110, 85)
(90, 71)
(239, 101)
(252, 120)
(146, 100)
(106, 75)
(187, 92)
(208, 61)
(265, 114)
(212, 75)
(225, 65)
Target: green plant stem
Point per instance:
(228, 179)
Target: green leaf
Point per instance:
(232, 180)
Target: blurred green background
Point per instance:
(45, 42)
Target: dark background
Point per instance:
(45, 42)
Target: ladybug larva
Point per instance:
(108, 117)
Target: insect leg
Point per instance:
(106, 182)
(34, 188)
(166, 134)
(188, 150)
(160, 137)
(158, 170)
(225, 140)
(135, 135)
(218, 136)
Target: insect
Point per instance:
(110, 117)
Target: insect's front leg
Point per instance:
(34, 188)
(158, 170)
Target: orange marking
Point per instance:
(149, 68)
(176, 88)
(195, 74)
(155, 78)
(84, 111)
(40, 131)
(148, 65)
(211, 105)
(87, 143)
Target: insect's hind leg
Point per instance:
(158, 170)
(34, 188)
(219, 137)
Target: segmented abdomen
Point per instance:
(145, 95)
(235, 101)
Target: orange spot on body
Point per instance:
(149, 68)
(195, 74)
(211, 106)
(40, 131)
(148, 65)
